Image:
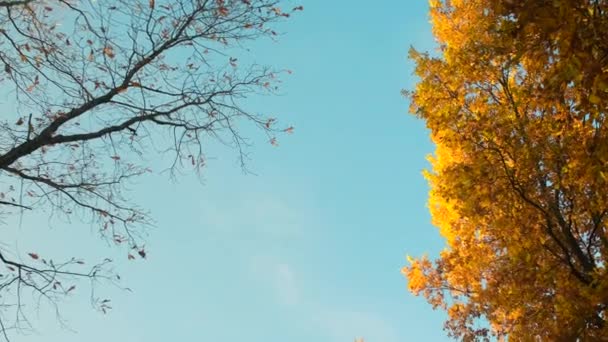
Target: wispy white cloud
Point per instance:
(251, 215)
(266, 220)
(286, 286)
(334, 321)
(345, 325)
(277, 276)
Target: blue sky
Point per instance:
(308, 249)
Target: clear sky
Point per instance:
(308, 249)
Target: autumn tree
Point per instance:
(94, 85)
(516, 102)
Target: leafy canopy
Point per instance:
(516, 105)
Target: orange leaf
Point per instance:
(109, 51)
(223, 11)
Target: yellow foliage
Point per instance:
(517, 107)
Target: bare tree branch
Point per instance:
(98, 84)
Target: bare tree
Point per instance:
(96, 82)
